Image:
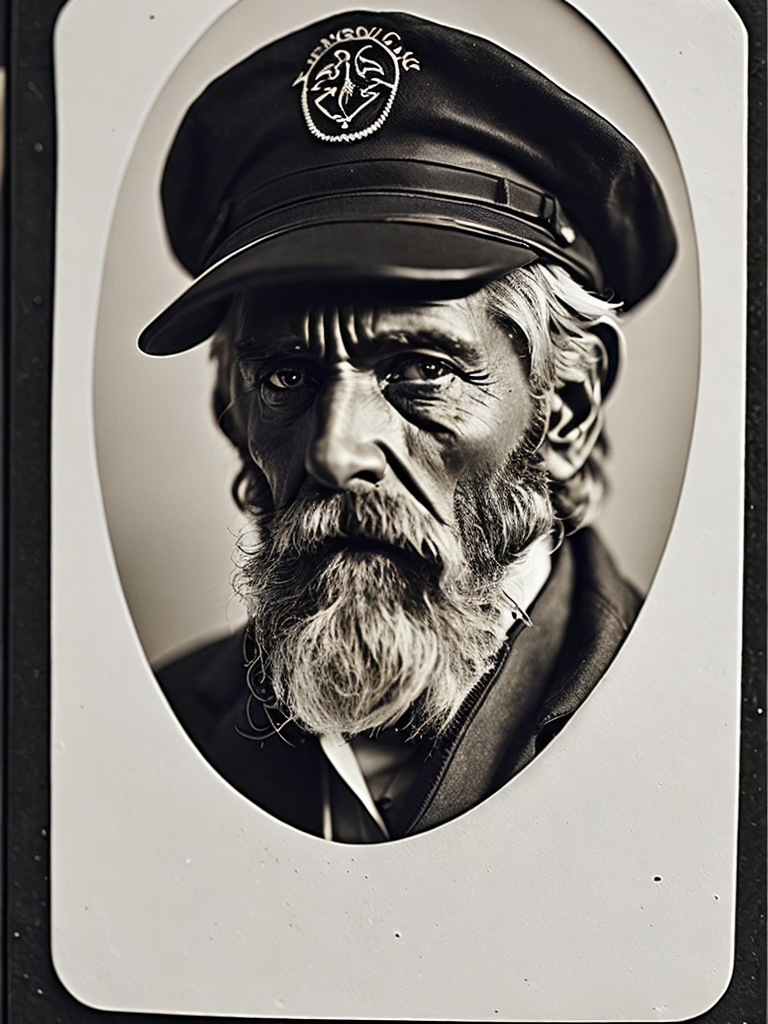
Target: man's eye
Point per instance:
(288, 386)
(287, 378)
(419, 371)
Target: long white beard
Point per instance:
(364, 609)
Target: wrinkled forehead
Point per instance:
(314, 323)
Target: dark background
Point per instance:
(32, 992)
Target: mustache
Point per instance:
(316, 523)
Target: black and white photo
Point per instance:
(396, 509)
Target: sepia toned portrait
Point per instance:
(412, 363)
(392, 615)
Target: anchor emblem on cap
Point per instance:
(351, 82)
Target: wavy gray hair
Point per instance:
(567, 335)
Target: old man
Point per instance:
(410, 249)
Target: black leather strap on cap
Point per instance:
(472, 217)
(408, 177)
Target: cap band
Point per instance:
(402, 208)
(426, 178)
(408, 191)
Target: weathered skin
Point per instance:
(407, 398)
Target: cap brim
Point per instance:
(393, 261)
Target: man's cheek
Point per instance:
(511, 424)
(469, 449)
(281, 460)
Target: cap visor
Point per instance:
(391, 261)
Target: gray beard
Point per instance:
(363, 608)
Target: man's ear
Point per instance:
(575, 420)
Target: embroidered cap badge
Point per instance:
(350, 82)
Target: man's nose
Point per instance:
(345, 447)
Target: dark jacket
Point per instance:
(580, 619)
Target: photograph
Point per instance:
(396, 510)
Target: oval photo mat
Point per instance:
(596, 885)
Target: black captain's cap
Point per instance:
(380, 149)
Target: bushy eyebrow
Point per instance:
(452, 345)
(254, 347)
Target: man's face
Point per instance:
(396, 446)
(409, 399)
